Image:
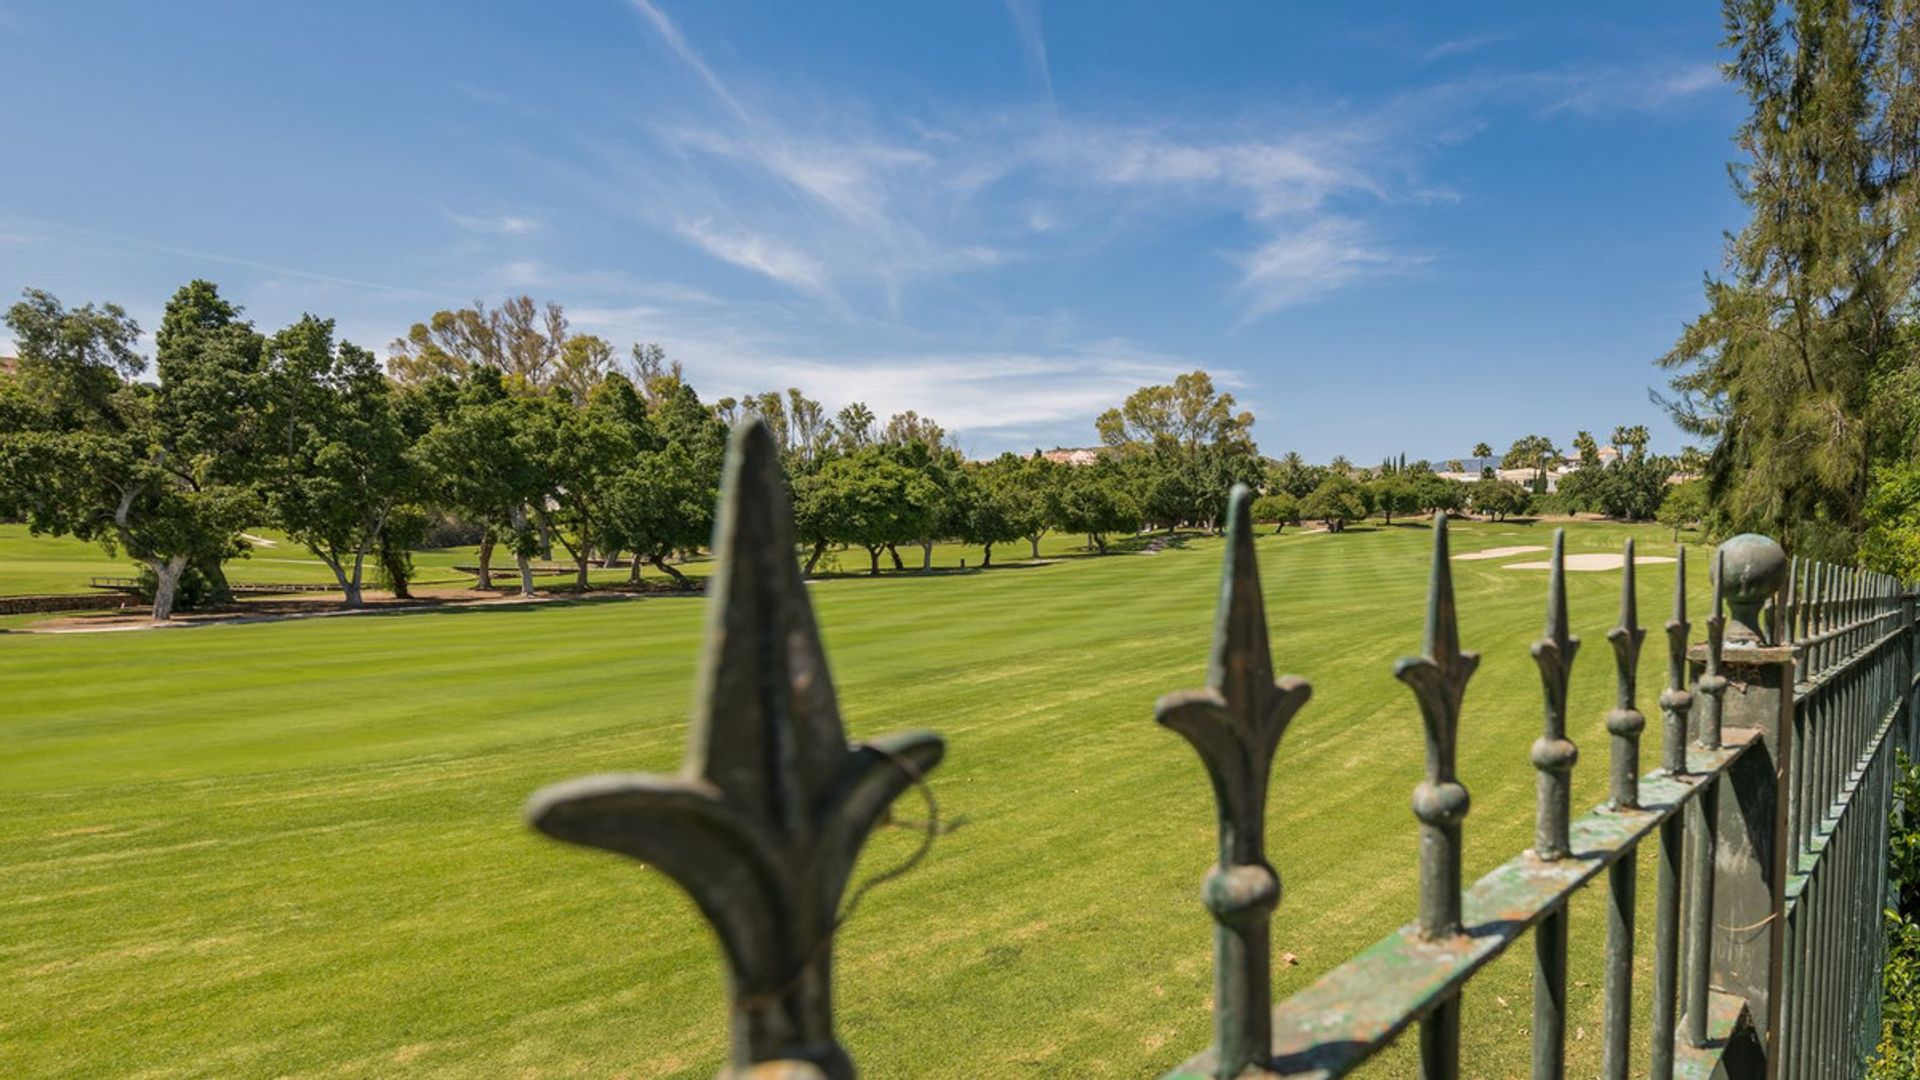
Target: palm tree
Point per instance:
(1634, 439)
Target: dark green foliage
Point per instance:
(1499, 499)
(1790, 372)
(1898, 1055)
(193, 592)
(1278, 509)
(1685, 505)
(340, 459)
(87, 451)
(1338, 501)
(1096, 500)
(1892, 540)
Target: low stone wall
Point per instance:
(100, 601)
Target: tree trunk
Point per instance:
(1034, 540)
(485, 578)
(219, 591)
(926, 555)
(394, 562)
(351, 586)
(873, 562)
(813, 557)
(580, 570)
(988, 560)
(166, 582)
(895, 553)
(633, 575)
(1099, 542)
(612, 556)
(517, 517)
(665, 567)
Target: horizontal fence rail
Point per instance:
(1768, 811)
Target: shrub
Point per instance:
(1898, 1056)
(194, 590)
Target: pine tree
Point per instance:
(1780, 372)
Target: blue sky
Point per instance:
(1385, 228)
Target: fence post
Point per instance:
(1750, 863)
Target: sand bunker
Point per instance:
(1591, 561)
(1498, 553)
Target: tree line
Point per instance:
(520, 435)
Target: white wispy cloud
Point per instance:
(1463, 45)
(1647, 87)
(759, 254)
(497, 224)
(670, 35)
(1296, 267)
(1033, 40)
(849, 208)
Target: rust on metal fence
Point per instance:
(1770, 797)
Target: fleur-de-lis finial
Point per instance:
(1553, 753)
(769, 812)
(1438, 679)
(1712, 684)
(1235, 724)
(1625, 722)
(1676, 701)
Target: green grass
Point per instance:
(51, 565)
(294, 848)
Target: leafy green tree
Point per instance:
(1685, 505)
(584, 451)
(1338, 501)
(1434, 493)
(1634, 487)
(990, 502)
(479, 459)
(659, 504)
(1278, 509)
(89, 452)
(1393, 494)
(1032, 488)
(663, 503)
(341, 462)
(1097, 500)
(521, 338)
(868, 500)
(1188, 413)
(1292, 475)
(1185, 445)
(1499, 499)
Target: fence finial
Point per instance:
(1554, 754)
(1439, 681)
(1676, 701)
(1712, 684)
(1625, 722)
(768, 814)
(1235, 724)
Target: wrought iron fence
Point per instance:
(1768, 810)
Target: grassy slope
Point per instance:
(292, 849)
